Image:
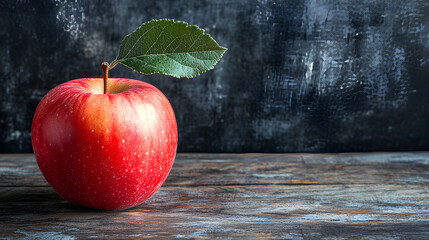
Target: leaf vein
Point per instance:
(190, 47)
(158, 54)
(138, 41)
(175, 40)
(179, 62)
(156, 39)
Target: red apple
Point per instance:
(107, 151)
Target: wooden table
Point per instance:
(252, 196)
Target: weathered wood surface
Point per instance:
(256, 196)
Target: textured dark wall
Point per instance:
(299, 76)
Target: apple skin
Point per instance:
(105, 151)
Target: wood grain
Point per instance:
(252, 196)
(261, 169)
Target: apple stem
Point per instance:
(105, 67)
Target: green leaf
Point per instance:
(169, 47)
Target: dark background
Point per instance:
(299, 76)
